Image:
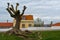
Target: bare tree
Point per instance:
(15, 13)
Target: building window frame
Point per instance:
(30, 25)
(23, 25)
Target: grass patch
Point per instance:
(36, 35)
(51, 35)
(32, 36)
(9, 37)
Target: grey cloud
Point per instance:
(38, 8)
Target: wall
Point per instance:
(26, 22)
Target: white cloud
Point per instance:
(45, 4)
(51, 18)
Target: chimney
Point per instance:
(7, 21)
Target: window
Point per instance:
(30, 25)
(23, 25)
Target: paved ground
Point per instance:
(33, 28)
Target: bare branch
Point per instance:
(25, 7)
(12, 7)
(10, 12)
(18, 12)
(17, 4)
(8, 4)
(23, 10)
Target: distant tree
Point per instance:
(51, 23)
(38, 22)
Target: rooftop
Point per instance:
(56, 24)
(27, 17)
(5, 24)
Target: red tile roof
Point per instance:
(4, 25)
(56, 24)
(28, 17)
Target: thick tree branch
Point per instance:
(17, 4)
(12, 7)
(17, 13)
(23, 10)
(10, 12)
(8, 4)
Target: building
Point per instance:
(56, 24)
(6, 24)
(27, 21)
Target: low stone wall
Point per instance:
(41, 28)
(34, 28)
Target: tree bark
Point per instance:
(17, 25)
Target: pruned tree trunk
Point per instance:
(17, 25)
(15, 13)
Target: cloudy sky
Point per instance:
(47, 10)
